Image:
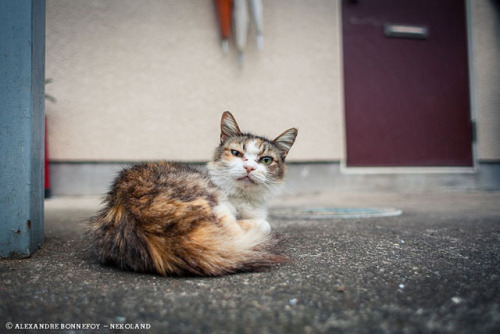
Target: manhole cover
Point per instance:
(331, 213)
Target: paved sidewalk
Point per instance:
(434, 269)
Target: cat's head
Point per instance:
(248, 164)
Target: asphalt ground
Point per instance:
(433, 269)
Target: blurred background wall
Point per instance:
(147, 80)
(139, 80)
(485, 39)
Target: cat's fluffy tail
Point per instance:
(211, 252)
(202, 247)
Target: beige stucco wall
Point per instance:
(486, 65)
(139, 80)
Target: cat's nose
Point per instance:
(249, 169)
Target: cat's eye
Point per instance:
(266, 160)
(236, 153)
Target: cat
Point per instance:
(173, 219)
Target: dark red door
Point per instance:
(406, 83)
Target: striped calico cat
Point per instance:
(173, 219)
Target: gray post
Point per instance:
(22, 67)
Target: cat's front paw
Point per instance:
(264, 226)
(259, 224)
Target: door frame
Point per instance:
(344, 169)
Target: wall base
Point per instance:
(95, 179)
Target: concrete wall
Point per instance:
(486, 65)
(147, 79)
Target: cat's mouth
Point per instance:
(246, 179)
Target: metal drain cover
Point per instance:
(331, 213)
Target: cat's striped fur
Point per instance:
(173, 219)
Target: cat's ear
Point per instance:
(286, 140)
(228, 127)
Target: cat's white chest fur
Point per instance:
(248, 210)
